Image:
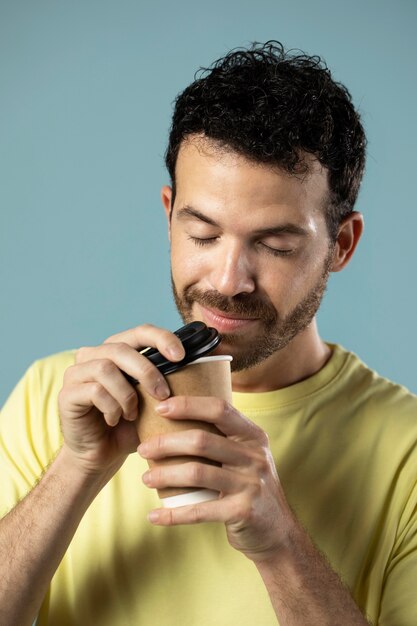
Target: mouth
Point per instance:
(225, 322)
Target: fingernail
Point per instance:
(162, 390)
(146, 478)
(176, 352)
(162, 408)
(153, 516)
(143, 449)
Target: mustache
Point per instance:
(246, 305)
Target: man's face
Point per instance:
(250, 252)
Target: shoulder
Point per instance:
(55, 363)
(44, 374)
(50, 369)
(381, 417)
(374, 392)
(34, 398)
(377, 423)
(44, 377)
(30, 430)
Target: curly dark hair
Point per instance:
(273, 106)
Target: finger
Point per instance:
(195, 442)
(194, 474)
(220, 510)
(105, 372)
(215, 411)
(130, 361)
(148, 335)
(88, 395)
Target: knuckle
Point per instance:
(243, 510)
(159, 443)
(228, 409)
(97, 391)
(200, 440)
(147, 368)
(105, 367)
(224, 406)
(157, 475)
(68, 374)
(115, 338)
(62, 397)
(170, 517)
(81, 354)
(243, 514)
(122, 347)
(185, 404)
(197, 514)
(255, 488)
(195, 472)
(261, 464)
(258, 435)
(264, 438)
(221, 407)
(146, 326)
(131, 399)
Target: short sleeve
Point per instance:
(399, 597)
(30, 433)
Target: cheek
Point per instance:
(309, 271)
(289, 284)
(187, 265)
(283, 288)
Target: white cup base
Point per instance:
(193, 497)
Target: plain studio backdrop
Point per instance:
(86, 92)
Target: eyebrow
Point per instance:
(188, 212)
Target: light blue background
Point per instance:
(86, 89)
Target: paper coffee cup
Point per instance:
(207, 376)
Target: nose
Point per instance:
(232, 270)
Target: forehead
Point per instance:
(213, 177)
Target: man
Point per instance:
(316, 522)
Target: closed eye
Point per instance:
(276, 251)
(206, 241)
(202, 241)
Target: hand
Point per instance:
(252, 503)
(98, 406)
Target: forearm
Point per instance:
(303, 588)
(35, 535)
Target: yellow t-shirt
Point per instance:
(344, 443)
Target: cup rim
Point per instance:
(216, 357)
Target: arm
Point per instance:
(303, 588)
(98, 408)
(36, 533)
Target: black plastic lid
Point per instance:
(198, 340)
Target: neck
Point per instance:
(304, 356)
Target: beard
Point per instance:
(276, 331)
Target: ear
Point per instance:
(166, 195)
(350, 231)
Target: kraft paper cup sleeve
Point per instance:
(209, 376)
